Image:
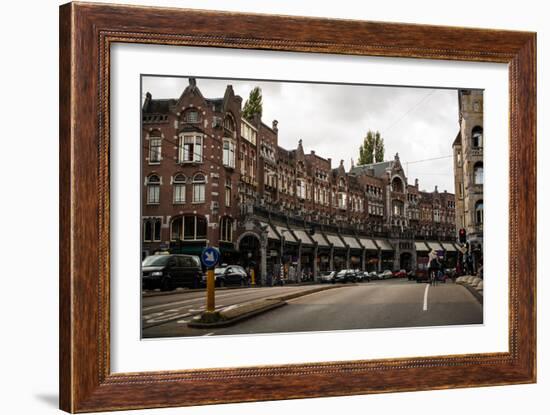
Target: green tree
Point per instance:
(253, 104)
(378, 148)
(366, 151)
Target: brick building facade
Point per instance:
(210, 177)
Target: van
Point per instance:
(168, 272)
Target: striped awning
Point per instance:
(449, 247)
(271, 234)
(421, 247)
(368, 244)
(320, 239)
(352, 242)
(436, 246)
(335, 240)
(383, 244)
(285, 234)
(302, 236)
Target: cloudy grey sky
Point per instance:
(418, 123)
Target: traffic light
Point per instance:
(462, 236)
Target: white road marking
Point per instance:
(209, 334)
(167, 317)
(229, 294)
(426, 297)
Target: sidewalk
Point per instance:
(472, 284)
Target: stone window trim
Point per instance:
(183, 220)
(190, 148)
(152, 184)
(199, 188)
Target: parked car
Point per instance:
(171, 271)
(373, 275)
(345, 276)
(358, 275)
(327, 276)
(230, 275)
(366, 276)
(400, 274)
(385, 275)
(410, 275)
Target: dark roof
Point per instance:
(458, 140)
(158, 106)
(379, 168)
(217, 103)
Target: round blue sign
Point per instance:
(210, 257)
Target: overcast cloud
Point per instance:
(418, 123)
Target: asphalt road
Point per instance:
(178, 308)
(379, 304)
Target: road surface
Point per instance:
(379, 304)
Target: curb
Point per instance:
(473, 291)
(276, 302)
(234, 320)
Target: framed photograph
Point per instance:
(260, 207)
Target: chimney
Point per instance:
(435, 191)
(274, 124)
(416, 183)
(192, 82)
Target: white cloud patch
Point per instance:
(417, 123)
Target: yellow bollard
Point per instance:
(210, 289)
(253, 276)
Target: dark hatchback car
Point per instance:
(170, 271)
(231, 275)
(346, 275)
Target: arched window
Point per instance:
(477, 137)
(188, 227)
(153, 190)
(155, 147)
(226, 229)
(397, 185)
(199, 188)
(342, 183)
(228, 153)
(478, 173)
(229, 124)
(179, 188)
(479, 212)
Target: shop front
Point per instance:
(371, 254)
(387, 255)
(422, 252)
(339, 252)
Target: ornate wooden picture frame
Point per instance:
(87, 32)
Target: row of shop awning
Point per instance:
(326, 239)
(427, 246)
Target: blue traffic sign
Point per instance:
(210, 257)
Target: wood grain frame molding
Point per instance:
(86, 33)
